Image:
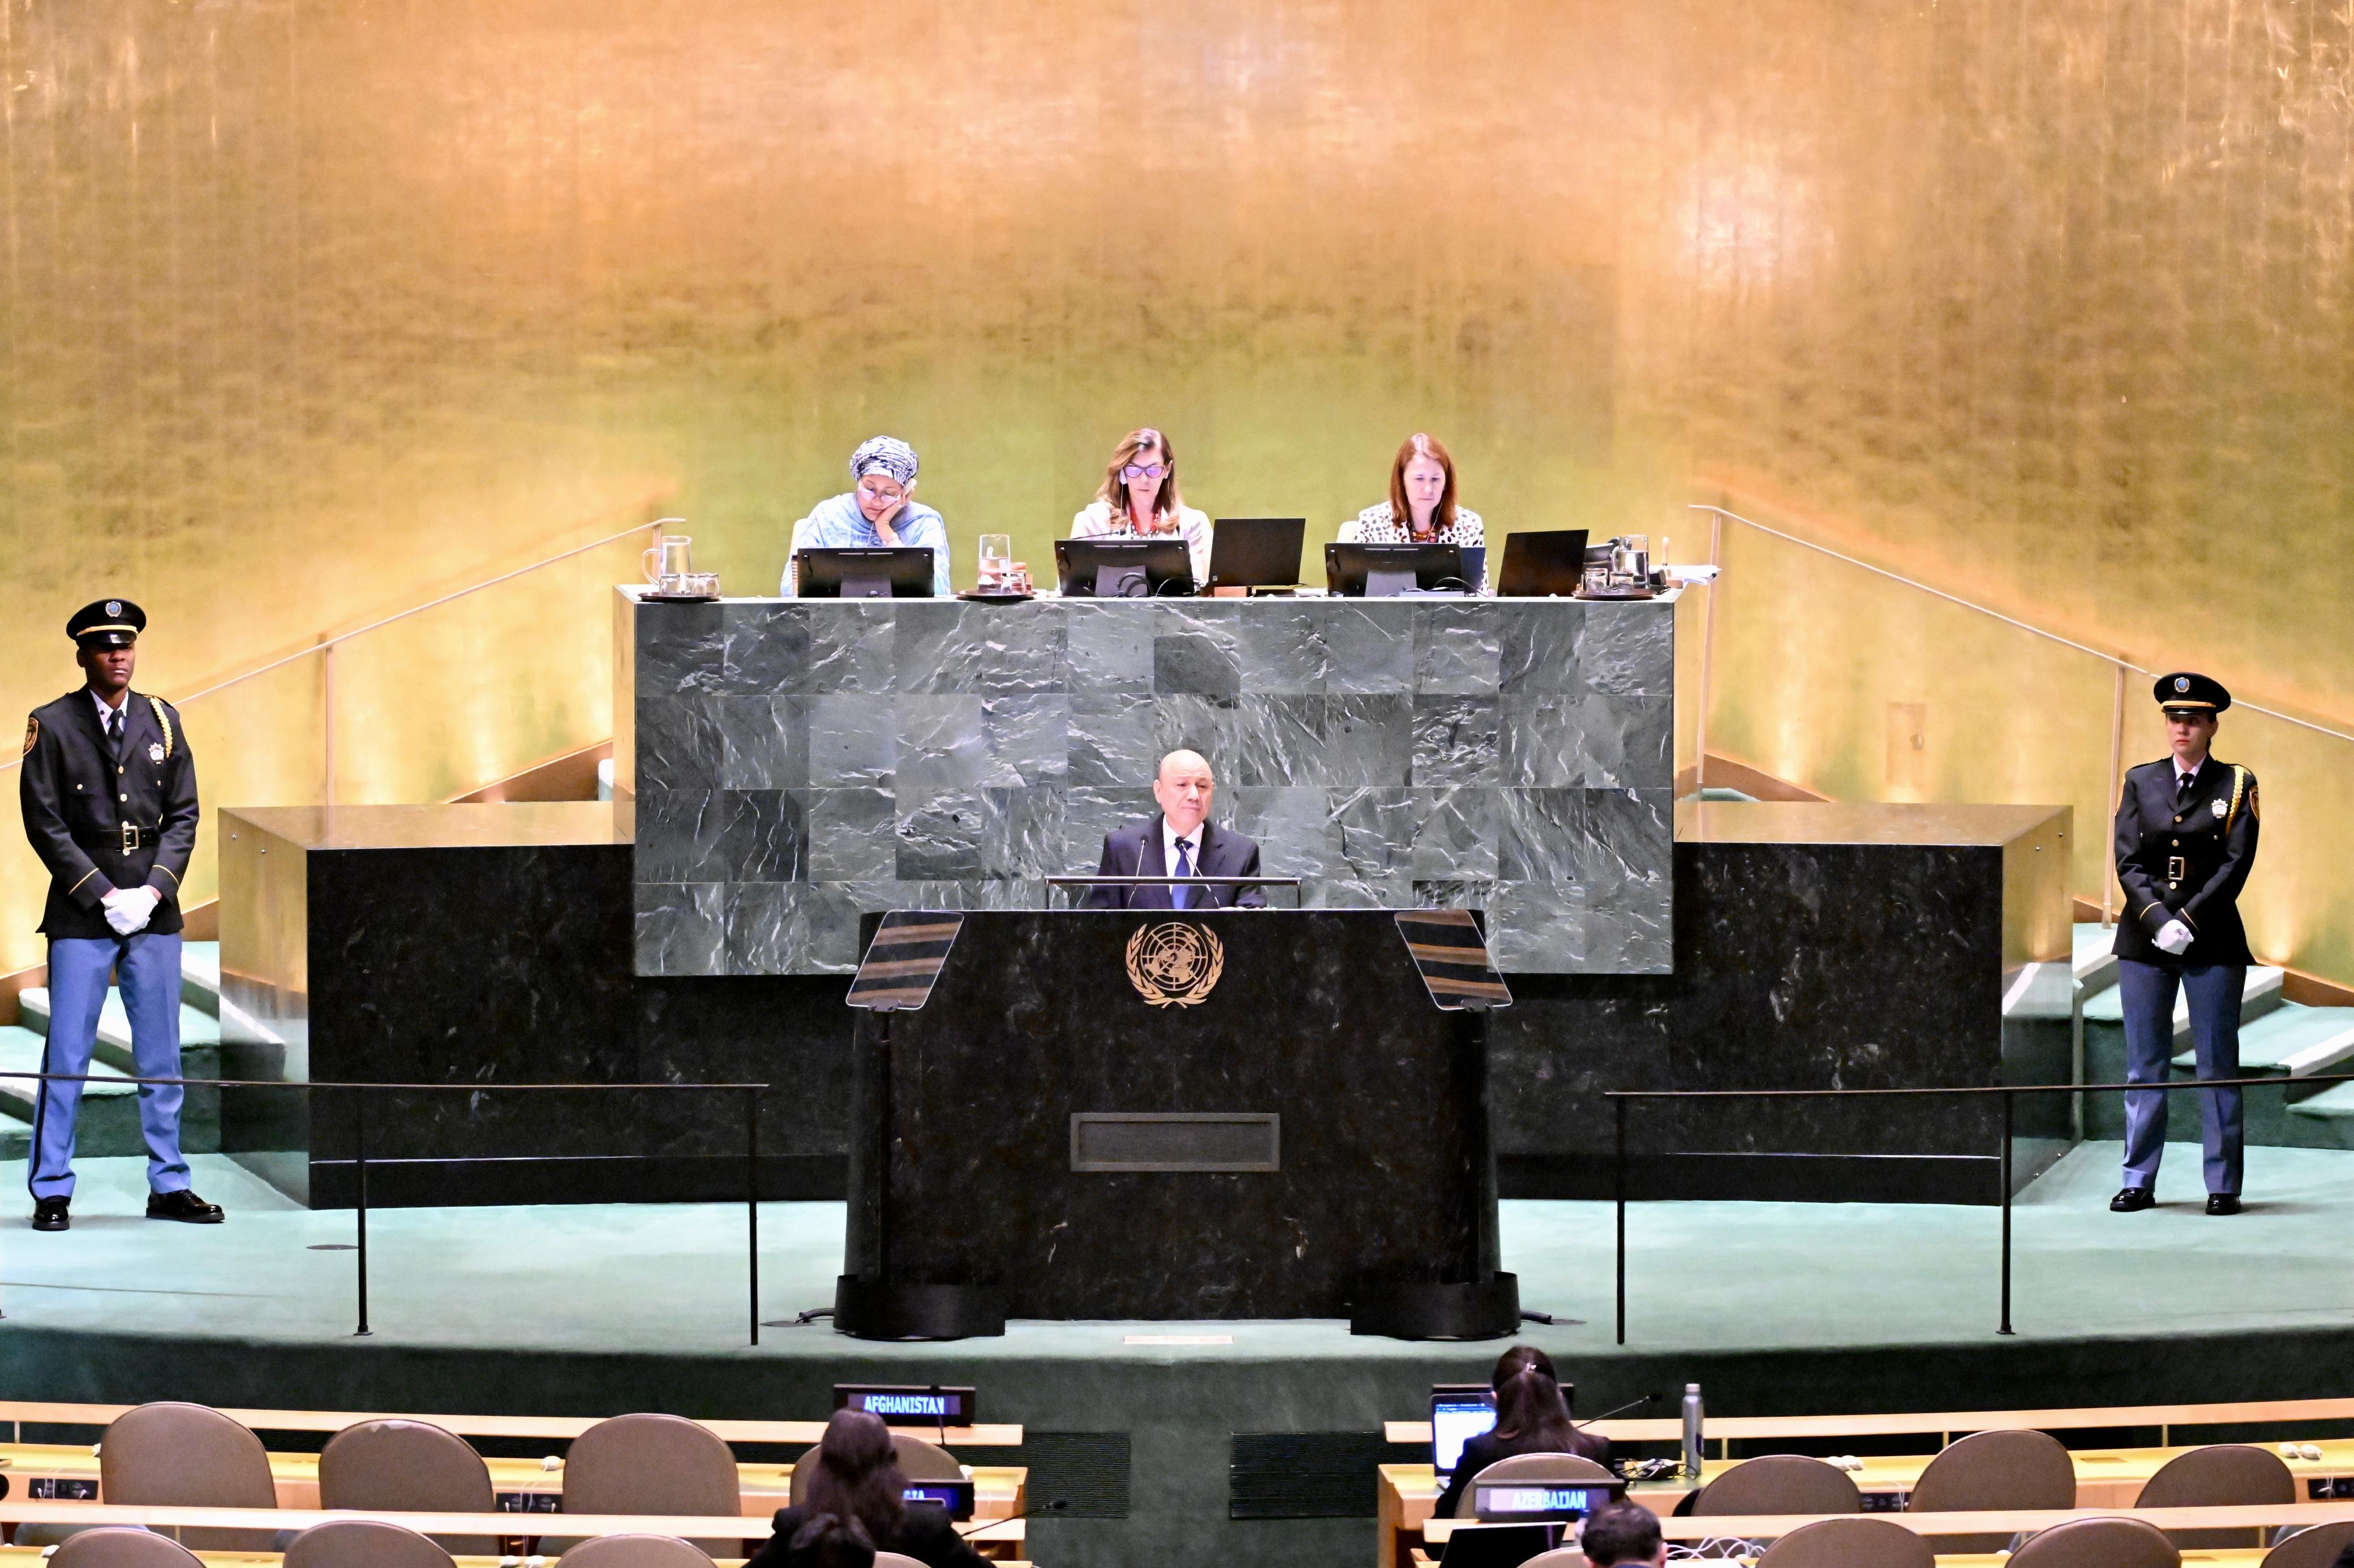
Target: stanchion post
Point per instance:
(752, 1205)
(2009, 1100)
(1618, 1167)
(359, 1170)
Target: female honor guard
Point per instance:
(2185, 838)
(110, 798)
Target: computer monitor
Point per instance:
(1459, 1412)
(1255, 552)
(1568, 1502)
(1123, 569)
(1549, 565)
(1379, 571)
(901, 572)
(957, 1497)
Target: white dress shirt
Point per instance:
(106, 715)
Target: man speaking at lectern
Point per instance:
(1180, 842)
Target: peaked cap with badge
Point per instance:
(101, 819)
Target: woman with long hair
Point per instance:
(855, 1502)
(1138, 499)
(1422, 509)
(1531, 1417)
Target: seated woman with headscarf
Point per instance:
(1138, 499)
(853, 1506)
(879, 512)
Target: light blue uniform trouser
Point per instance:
(149, 964)
(2212, 991)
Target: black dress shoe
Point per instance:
(2223, 1202)
(183, 1205)
(2133, 1200)
(49, 1214)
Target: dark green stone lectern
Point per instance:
(1141, 1115)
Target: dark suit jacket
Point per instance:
(77, 800)
(2185, 860)
(1487, 1448)
(1135, 850)
(927, 1536)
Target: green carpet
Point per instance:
(1775, 1308)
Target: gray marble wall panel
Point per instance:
(800, 762)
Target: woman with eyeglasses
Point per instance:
(1138, 499)
(1421, 509)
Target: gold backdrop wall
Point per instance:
(314, 308)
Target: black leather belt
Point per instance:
(131, 838)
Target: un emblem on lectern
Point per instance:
(1174, 964)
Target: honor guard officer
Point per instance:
(2185, 838)
(110, 799)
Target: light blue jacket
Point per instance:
(836, 524)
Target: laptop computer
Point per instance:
(1459, 1412)
(896, 572)
(1549, 565)
(1255, 552)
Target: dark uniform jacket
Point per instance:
(98, 824)
(2186, 861)
(1135, 850)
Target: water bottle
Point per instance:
(1692, 1419)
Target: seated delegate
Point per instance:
(1531, 1417)
(1138, 499)
(854, 1505)
(879, 512)
(1421, 509)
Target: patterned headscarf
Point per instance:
(884, 454)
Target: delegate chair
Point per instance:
(2097, 1543)
(639, 1552)
(363, 1543)
(2222, 1475)
(1860, 1543)
(115, 1547)
(1779, 1483)
(1550, 1468)
(189, 1455)
(918, 1461)
(407, 1467)
(654, 1464)
(1559, 1557)
(1991, 1470)
(2316, 1548)
(900, 1560)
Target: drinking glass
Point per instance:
(996, 555)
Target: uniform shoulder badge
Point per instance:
(32, 734)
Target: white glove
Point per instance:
(2174, 937)
(128, 908)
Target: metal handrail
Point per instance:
(326, 645)
(2106, 658)
(1621, 1098)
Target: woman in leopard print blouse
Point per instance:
(1421, 509)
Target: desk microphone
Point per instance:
(1630, 1404)
(980, 1524)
